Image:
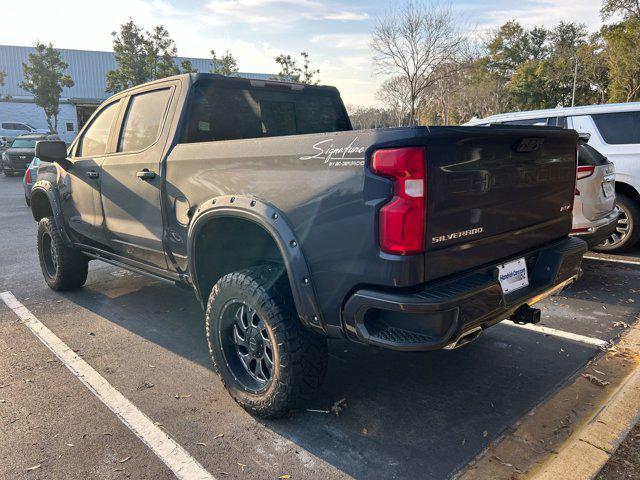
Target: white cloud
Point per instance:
(352, 41)
(347, 16)
(530, 13)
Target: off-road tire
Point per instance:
(63, 267)
(300, 356)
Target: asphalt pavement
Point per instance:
(405, 415)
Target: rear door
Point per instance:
(131, 180)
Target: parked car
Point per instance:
(30, 178)
(16, 159)
(595, 215)
(615, 133)
(10, 129)
(291, 227)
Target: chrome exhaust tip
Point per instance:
(464, 338)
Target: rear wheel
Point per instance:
(63, 267)
(266, 359)
(627, 231)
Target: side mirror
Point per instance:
(584, 136)
(52, 151)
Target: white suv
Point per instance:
(11, 130)
(615, 132)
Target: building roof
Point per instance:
(87, 68)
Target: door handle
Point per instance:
(92, 174)
(145, 174)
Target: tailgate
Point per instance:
(494, 192)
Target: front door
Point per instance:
(131, 180)
(80, 181)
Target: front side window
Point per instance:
(619, 128)
(94, 139)
(143, 120)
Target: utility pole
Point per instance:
(575, 81)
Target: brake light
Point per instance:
(402, 220)
(27, 176)
(584, 172)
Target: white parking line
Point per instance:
(183, 465)
(612, 260)
(603, 344)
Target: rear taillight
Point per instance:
(584, 172)
(27, 176)
(402, 220)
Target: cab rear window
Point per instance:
(220, 111)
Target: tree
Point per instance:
(395, 95)
(187, 67)
(308, 74)
(623, 45)
(141, 56)
(291, 72)
(629, 9)
(415, 41)
(3, 75)
(161, 52)
(224, 65)
(45, 77)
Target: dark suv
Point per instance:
(291, 228)
(16, 158)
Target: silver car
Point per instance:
(595, 215)
(30, 177)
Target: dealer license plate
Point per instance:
(513, 275)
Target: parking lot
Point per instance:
(421, 415)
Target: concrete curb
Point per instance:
(588, 449)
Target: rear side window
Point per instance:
(528, 121)
(94, 139)
(619, 128)
(587, 155)
(224, 112)
(143, 120)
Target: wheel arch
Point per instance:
(227, 221)
(628, 190)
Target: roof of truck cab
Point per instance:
(194, 77)
(559, 112)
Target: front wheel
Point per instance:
(266, 359)
(627, 232)
(63, 267)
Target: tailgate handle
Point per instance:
(145, 174)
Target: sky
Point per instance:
(335, 33)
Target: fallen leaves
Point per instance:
(126, 459)
(241, 465)
(35, 467)
(595, 380)
(621, 324)
(286, 475)
(220, 435)
(181, 395)
(201, 444)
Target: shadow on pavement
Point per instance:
(407, 415)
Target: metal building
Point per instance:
(88, 69)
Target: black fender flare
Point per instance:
(45, 187)
(275, 224)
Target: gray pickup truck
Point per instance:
(292, 228)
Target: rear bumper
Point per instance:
(443, 311)
(597, 234)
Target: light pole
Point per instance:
(575, 80)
